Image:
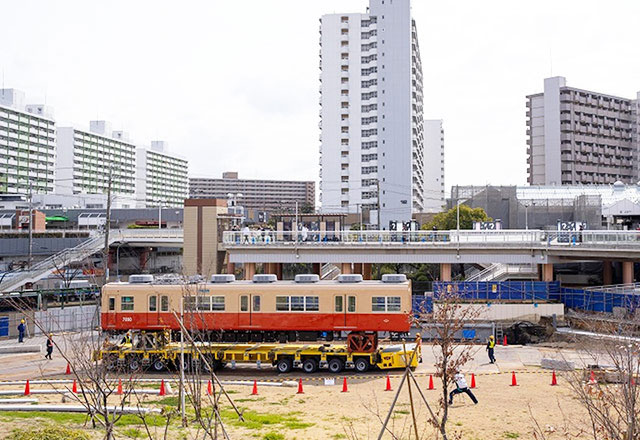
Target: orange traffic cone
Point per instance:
(119, 392)
(514, 382)
(209, 388)
(554, 380)
(27, 390)
(344, 385)
(431, 382)
(388, 388)
(68, 369)
(74, 387)
(254, 392)
(300, 387)
(504, 341)
(473, 380)
(163, 391)
(592, 377)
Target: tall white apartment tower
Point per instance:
(371, 153)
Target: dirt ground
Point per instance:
(324, 412)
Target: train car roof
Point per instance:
(252, 283)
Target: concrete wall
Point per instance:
(514, 312)
(74, 318)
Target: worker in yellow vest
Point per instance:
(491, 344)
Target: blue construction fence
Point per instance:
(499, 291)
(596, 301)
(587, 300)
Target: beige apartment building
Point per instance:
(578, 136)
(266, 195)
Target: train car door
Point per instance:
(245, 311)
(351, 315)
(111, 311)
(153, 310)
(344, 308)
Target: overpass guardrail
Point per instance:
(453, 238)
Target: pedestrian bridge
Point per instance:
(465, 246)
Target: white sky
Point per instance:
(234, 85)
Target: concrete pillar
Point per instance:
(249, 270)
(607, 272)
(278, 270)
(270, 268)
(627, 272)
(231, 268)
(346, 268)
(547, 272)
(357, 268)
(445, 271)
(317, 269)
(366, 271)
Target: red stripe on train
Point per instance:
(394, 322)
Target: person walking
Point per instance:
(49, 347)
(462, 387)
(21, 329)
(491, 344)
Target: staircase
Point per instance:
(329, 272)
(46, 267)
(504, 272)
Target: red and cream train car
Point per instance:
(262, 309)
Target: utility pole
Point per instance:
(107, 227)
(159, 214)
(30, 225)
(378, 189)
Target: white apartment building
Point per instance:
(371, 153)
(434, 200)
(27, 145)
(577, 136)
(87, 159)
(162, 177)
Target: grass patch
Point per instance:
(132, 419)
(338, 436)
(256, 420)
(255, 399)
(167, 401)
(511, 435)
(273, 436)
(59, 418)
(48, 433)
(133, 433)
(401, 411)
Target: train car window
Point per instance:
(190, 303)
(338, 303)
(282, 303)
(351, 303)
(126, 303)
(244, 303)
(112, 303)
(217, 303)
(393, 304)
(311, 303)
(378, 304)
(297, 303)
(204, 303)
(256, 303)
(153, 303)
(164, 303)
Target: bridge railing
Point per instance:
(513, 237)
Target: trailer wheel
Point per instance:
(284, 365)
(158, 365)
(310, 365)
(362, 365)
(336, 365)
(134, 363)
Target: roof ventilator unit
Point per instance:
(354, 278)
(141, 279)
(265, 278)
(394, 278)
(224, 278)
(307, 278)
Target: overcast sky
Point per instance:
(234, 85)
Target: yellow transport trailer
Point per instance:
(285, 357)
